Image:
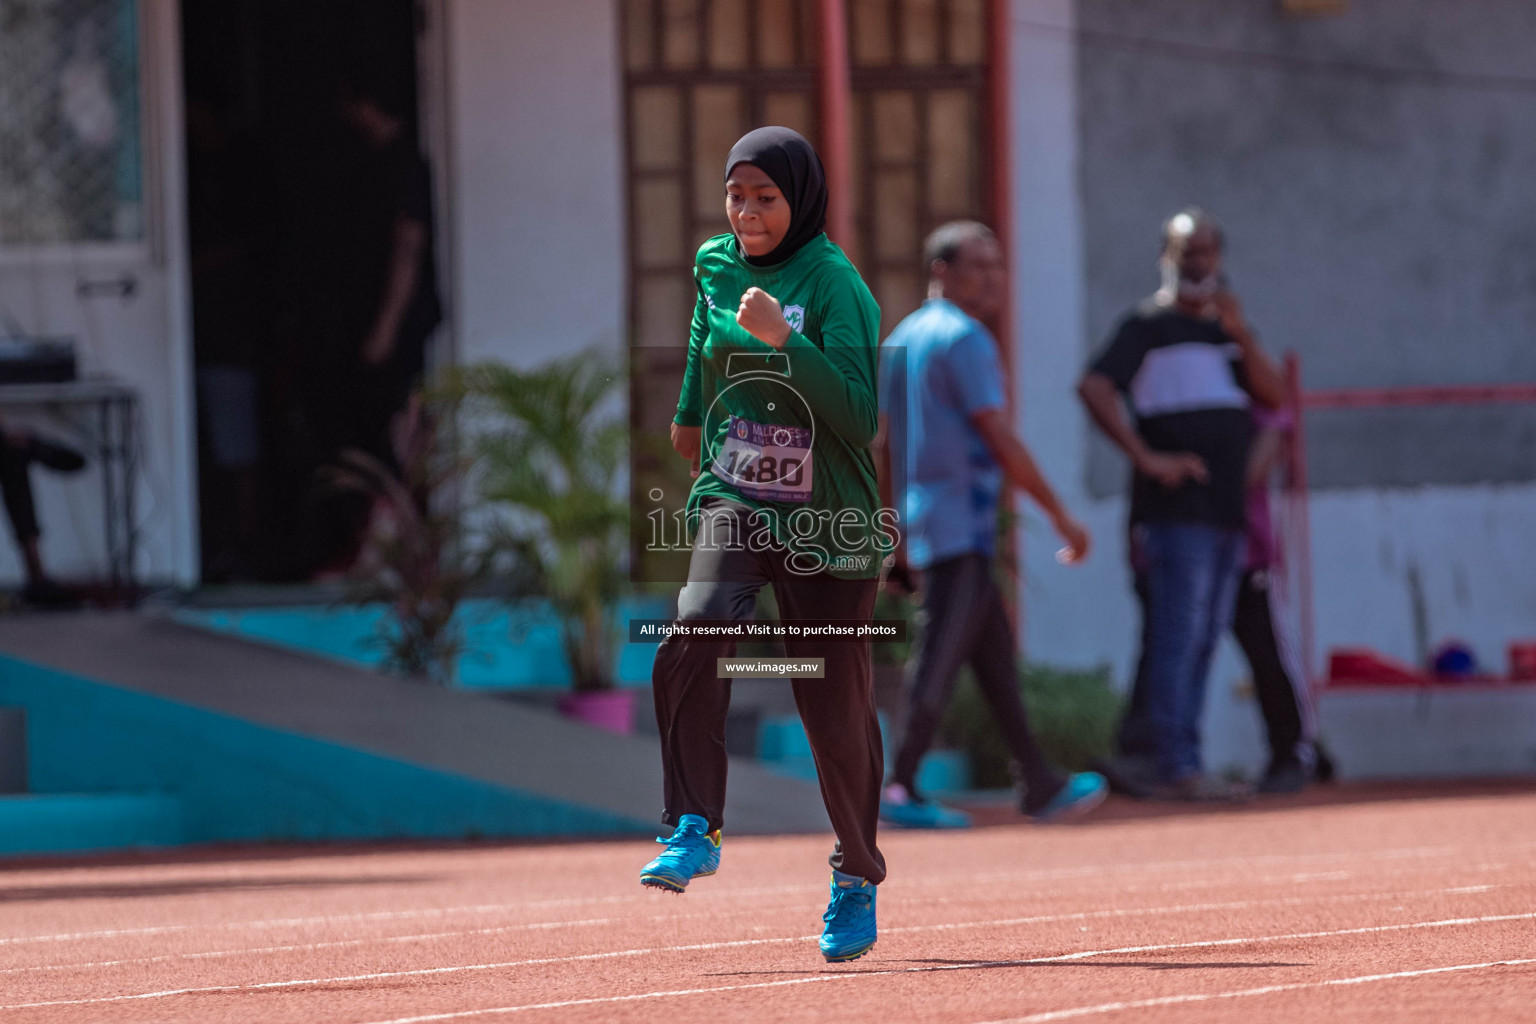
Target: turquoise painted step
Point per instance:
(73, 822)
(245, 782)
(505, 649)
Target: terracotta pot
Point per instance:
(609, 710)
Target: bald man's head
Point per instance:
(1192, 244)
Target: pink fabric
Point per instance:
(1263, 544)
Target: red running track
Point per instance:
(1363, 905)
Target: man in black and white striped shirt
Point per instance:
(1189, 368)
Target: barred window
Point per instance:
(71, 161)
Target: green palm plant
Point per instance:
(550, 445)
(413, 562)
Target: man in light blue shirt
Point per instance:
(938, 369)
(949, 450)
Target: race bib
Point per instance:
(764, 461)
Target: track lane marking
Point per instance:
(712, 895)
(461, 1014)
(1140, 1004)
(1080, 915)
(466, 968)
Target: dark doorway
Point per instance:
(288, 197)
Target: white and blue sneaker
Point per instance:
(850, 919)
(692, 851)
(1078, 795)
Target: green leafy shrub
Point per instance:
(413, 562)
(550, 446)
(1073, 713)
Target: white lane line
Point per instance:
(290, 922)
(1188, 908)
(1042, 918)
(467, 968)
(1362, 979)
(718, 894)
(333, 944)
(461, 1014)
(1082, 915)
(386, 975)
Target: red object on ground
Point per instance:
(1368, 904)
(1353, 666)
(1522, 660)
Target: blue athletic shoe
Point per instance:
(850, 918)
(899, 807)
(1080, 794)
(691, 852)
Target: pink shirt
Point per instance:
(1263, 544)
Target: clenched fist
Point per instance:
(761, 316)
(685, 441)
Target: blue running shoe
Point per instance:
(1078, 795)
(901, 808)
(691, 851)
(850, 918)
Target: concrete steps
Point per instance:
(266, 745)
(45, 823)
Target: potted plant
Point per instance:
(550, 446)
(413, 559)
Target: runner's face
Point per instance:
(758, 212)
(976, 278)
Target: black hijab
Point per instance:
(786, 157)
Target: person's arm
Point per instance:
(687, 423)
(837, 379)
(408, 242)
(1264, 455)
(1262, 377)
(1102, 399)
(1021, 470)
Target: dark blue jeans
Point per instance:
(1190, 572)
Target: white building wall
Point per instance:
(1081, 615)
(1471, 547)
(536, 160)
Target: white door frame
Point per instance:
(165, 145)
(434, 104)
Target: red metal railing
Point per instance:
(1297, 493)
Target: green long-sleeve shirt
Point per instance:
(822, 382)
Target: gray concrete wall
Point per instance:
(1376, 173)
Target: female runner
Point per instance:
(777, 413)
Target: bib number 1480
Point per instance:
(764, 469)
(765, 461)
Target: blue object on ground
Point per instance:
(1455, 659)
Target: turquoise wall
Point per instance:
(505, 649)
(237, 780)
